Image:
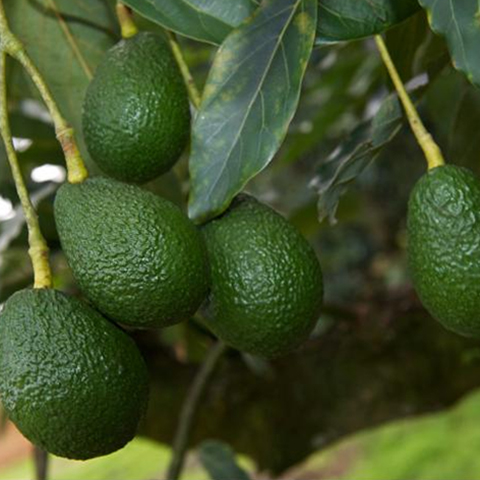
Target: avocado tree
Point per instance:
(169, 296)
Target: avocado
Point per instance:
(136, 256)
(136, 114)
(72, 382)
(267, 284)
(443, 247)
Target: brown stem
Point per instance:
(189, 409)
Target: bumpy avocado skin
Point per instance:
(136, 115)
(267, 286)
(444, 246)
(72, 382)
(135, 255)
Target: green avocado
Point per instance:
(267, 284)
(72, 382)
(444, 246)
(136, 114)
(135, 255)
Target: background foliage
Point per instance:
(376, 355)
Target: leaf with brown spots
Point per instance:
(249, 100)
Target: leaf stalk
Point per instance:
(127, 25)
(430, 148)
(38, 248)
(11, 45)
(193, 92)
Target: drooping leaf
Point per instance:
(66, 39)
(205, 20)
(352, 157)
(219, 461)
(342, 20)
(249, 100)
(459, 22)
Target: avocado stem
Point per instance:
(11, 45)
(432, 151)
(38, 248)
(127, 25)
(192, 89)
(189, 409)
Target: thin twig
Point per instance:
(11, 45)
(432, 151)
(192, 89)
(38, 250)
(189, 409)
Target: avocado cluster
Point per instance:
(70, 377)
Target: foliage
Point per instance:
(314, 132)
(248, 102)
(459, 22)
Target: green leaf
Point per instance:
(459, 22)
(205, 20)
(66, 39)
(342, 20)
(357, 152)
(219, 461)
(249, 100)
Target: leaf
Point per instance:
(219, 461)
(66, 39)
(459, 22)
(342, 20)
(354, 155)
(249, 101)
(205, 20)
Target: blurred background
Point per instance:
(380, 390)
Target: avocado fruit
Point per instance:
(72, 382)
(136, 256)
(267, 285)
(443, 227)
(136, 113)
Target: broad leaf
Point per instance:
(66, 39)
(206, 20)
(219, 461)
(354, 155)
(249, 100)
(342, 20)
(459, 22)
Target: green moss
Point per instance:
(432, 447)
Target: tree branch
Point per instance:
(189, 409)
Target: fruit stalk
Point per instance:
(127, 25)
(11, 45)
(189, 409)
(192, 89)
(432, 151)
(38, 250)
